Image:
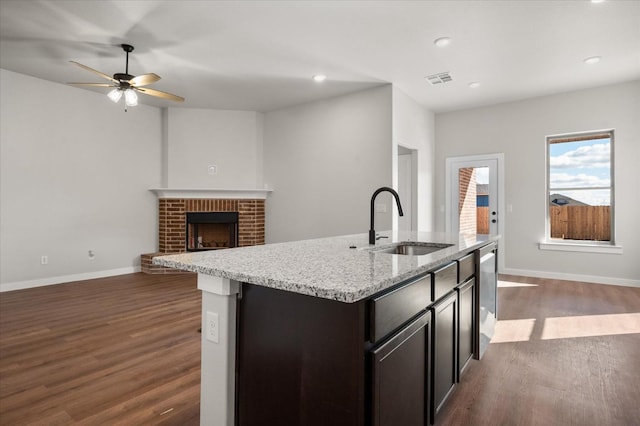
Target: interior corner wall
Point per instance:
(518, 129)
(414, 128)
(75, 173)
(324, 160)
(229, 140)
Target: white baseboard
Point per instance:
(20, 285)
(572, 277)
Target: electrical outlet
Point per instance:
(44, 260)
(212, 170)
(213, 327)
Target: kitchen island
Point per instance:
(336, 331)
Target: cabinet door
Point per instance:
(445, 330)
(466, 323)
(400, 376)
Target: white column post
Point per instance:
(217, 387)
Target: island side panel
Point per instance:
(300, 359)
(217, 386)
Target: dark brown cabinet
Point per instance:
(392, 309)
(389, 360)
(400, 376)
(445, 280)
(445, 338)
(300, 360)
(466, 267)
(466, 323)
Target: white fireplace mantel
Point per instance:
(212, 194)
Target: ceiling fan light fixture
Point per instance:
(130, 97)
(115, 95)
(127, 84)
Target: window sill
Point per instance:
(581, 247)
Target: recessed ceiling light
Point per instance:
(442, 41)
(592, 60)
(319, 78)
(474, 84)
(597, 1)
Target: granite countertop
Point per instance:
(327, 267)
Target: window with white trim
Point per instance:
(580, 192)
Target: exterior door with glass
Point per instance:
(472, 206)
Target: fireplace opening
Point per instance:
(211, 230)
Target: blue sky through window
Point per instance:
(582, 168)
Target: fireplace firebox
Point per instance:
(211, 230)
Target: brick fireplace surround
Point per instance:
(172, 220)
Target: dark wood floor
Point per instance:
(125, 350)
(121, 350)
(564, 353)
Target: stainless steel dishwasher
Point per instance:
(488, 298)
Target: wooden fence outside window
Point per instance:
(567, 222)
(580, 222)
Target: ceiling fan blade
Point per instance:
(101, 74)
(160, 94)
(144, 79)
(93, 84)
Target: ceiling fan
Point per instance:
(127, 84)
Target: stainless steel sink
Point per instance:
(413, 249)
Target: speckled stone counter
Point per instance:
(327, 267)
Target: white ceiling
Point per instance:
(261, 55)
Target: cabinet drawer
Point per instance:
(390, 310)
(444, 280)
(466, 267)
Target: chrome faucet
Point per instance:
(372, 231)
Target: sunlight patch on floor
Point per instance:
(508, 331)
(522, 330)
(590, 325)
(503, 284)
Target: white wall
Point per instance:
(230, 140)
(324, 160)
(518, 130)
(75, 170)
(414, 128)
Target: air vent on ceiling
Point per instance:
(439, 78)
